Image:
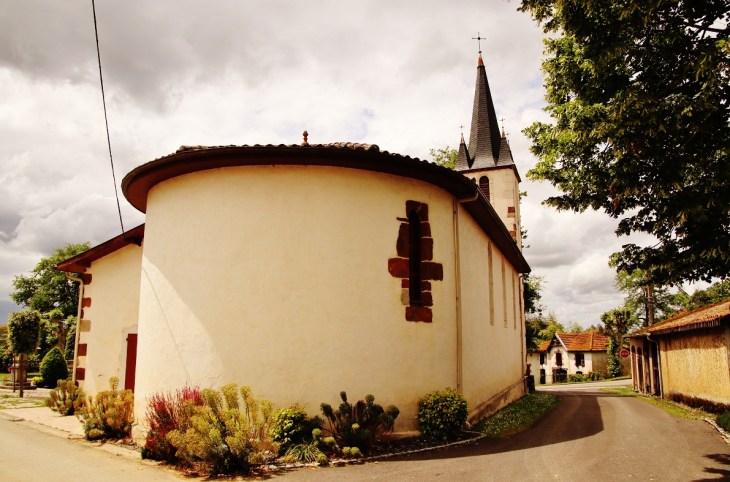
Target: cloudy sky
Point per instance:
(397, 74)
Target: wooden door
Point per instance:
(131, 361)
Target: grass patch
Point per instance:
(679, 410)
(519, 415)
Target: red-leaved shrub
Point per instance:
(166, 412)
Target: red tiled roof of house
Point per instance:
(584, 341)
(706, 317)
(579, 342)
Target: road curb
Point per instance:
(725, 436)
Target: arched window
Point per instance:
(414, 257)
(484, 186)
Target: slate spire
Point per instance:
(487, 146)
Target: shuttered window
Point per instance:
(484, 186)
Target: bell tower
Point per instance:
(487, 160)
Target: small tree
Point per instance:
(24, 329)
(53, 368)
(614, 362)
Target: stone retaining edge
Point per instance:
(725, 436)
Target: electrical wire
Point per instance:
(106, 120)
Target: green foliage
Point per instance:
(445, 157)
(53, 368)
(108, 415)
(442, 413)
(518, 415)
(541, 328)
(723, 421)
(6, 356)
(70, 342)
(577, 378)
(618, 322)
(291, 426)
(614, 361)
(634, 287)
(37, 381)
(533, 286)
(45, 286)
(351, 453)
(637, 91)
(226, 436)
(361, 424)
(595, 376)
(23, 332)
(715, 293)
(65, 398)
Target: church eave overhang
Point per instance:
(137, 184)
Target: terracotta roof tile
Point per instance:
(584, 341)
(706, 317)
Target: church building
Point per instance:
(306, 269)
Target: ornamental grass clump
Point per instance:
(226, 436)
(66, 398)
(361, 424)
(167, 411)
(108, 415)
(441, 414)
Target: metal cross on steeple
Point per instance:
(479, 39)
(462, 129)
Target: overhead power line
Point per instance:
(106, 120)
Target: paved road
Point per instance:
(27, 455)
(588, 386)
(591, 436)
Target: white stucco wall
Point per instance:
(114, 294)
(493, 349)
(277, 278)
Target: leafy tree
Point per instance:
(639, 94)
(618, 322)
(23, 332)
(614, 362)
(634, 287)
(444, 157)
(546, 326)
(6, 357)
(717, 292)
(533, 287)
(46, 288)
(574, 327)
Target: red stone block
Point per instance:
(80, 373)
(432, 271)
(426, 249)
(398, 267)
(81, 350)
(419, 313)
(86, 278)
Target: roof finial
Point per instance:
(305, 134)
(479, 39)
(503, 134)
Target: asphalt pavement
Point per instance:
(590, 436)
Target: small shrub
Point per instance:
(65, 398)
(166, 412)
(442, 413)
(53, 367)
(577, 378)
(724, 421)
(596, 376)
(361, 424)
(108, 415)
(293, 427)
(351, 453)
(37, 381)
(226, 436)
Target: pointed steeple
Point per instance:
(485, 138)
(463, 161)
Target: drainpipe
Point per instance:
(78, 323)
(457, 275)
(659, 364)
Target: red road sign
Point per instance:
(624, 353)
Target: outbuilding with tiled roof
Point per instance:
(686, 358)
